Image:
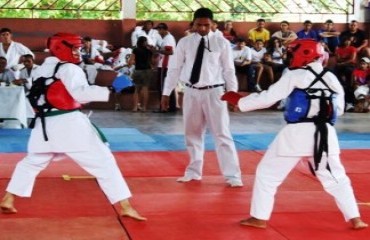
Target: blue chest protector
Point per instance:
(298, 107)
(299, 102)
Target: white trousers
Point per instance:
(99, 162)
(273, 169)
(202, 108)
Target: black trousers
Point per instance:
(162, 73)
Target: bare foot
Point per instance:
(7, 204)
(129, 211)
(254, 222)
(132, 213)
(358, 224)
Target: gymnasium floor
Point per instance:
(149, 148)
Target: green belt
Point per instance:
(60, 112)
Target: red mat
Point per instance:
(206, 209)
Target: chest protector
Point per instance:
(49, 93)
(300, 101)
(298, 108)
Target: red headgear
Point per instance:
(61, 45)
(303, 52)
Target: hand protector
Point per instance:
(231, 97)
(121, 82)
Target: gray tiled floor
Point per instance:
(265, 121)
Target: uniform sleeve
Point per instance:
(176, 63)
(74, 79)
(228, 71)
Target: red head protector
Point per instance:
(303, 51)
(61, 45)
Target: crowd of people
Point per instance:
(260, 55)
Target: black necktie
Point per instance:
(195, 72)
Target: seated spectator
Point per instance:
(26, 74)
(229, 32)
(6, 75)
(273, 59)
(257, 52)
(358, 39)
(285, 35)
(345, 64)
(215, 29)
(242, 60)
(102, 46)
(324, 59)
(361, 83)
(307, 32)
(92, 60)
(329, 36)
(12, 51)
(141, 57)
(259, 32)
(190, 30)
(152, 35)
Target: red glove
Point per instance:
(231, 97)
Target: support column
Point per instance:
(128, 20)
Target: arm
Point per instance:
(228, 70)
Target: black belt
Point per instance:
(205, 87)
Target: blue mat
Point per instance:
(131, 139)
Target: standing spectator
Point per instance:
(308, 134)
(203, 61)
(152, 35)
(166, 50)
(27, 73)
(345, 64)
(215, 29)
(259, 32)
(229, 32)
(190, 30)
(307, 32)
(92, 60)
(358, 39)
(12, 51)
(141, 57)
(285, 35)
(329, 36)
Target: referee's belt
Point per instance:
(205, 87)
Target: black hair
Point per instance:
(141, 42)
(203, 13)
(5, 30)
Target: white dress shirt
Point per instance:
(217, 65)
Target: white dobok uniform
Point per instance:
(295, 141)
(71, 134)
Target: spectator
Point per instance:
(242, 60)
(12, 51)
(166, 50)
(345, 64)
(324, 59)
(257, 67)
(92, 60)
(361, 83)
(307, 32)
(27, 73)
(6, 75)
(329, 36)
(141, 57)
(215, 29)
(102, 46)
(274, 58)
(152, 35)
(358, 39)
(259, 32)
(285, 35)
(229, 32)
(191, 29)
